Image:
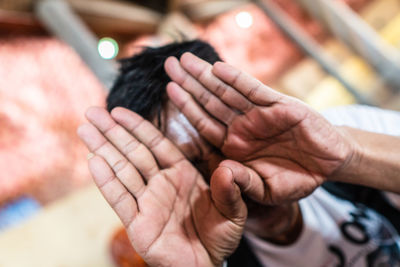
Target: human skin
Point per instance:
(172, 217)
(279, 224)
(281, 149)
(111, 140)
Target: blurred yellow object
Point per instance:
(391, 33)
(307, 78)
(329, 93)
(359, 73)
(74, 231)
(378, 13)
(299, 80)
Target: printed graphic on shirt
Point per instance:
(335, 233)
(376, 238)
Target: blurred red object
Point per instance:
(45, 89)
(122, 251)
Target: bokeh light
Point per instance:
(108, 48)
(244, 19)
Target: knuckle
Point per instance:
(253, 91)
(132, 127)
(221, 89)
(126, 219)
(204, 97)
(106, 182)
(120, 165)
(200, 125)
(185, 80)
(236, 78)
(202, 75)
(108, 131)
(155, 140)
(247, 186)
(247, 107)
(120, 199)
(185, 108)
(130, 147)
(101, 146)
(229, 117)
(150, 171)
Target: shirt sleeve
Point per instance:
(365, 118)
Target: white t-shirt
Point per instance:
(335, 233)
(365, 118)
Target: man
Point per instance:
(174, 218)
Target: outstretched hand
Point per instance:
(281, 149)
(171, 215)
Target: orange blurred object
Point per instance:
(122, 251)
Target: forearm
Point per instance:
(374, 162)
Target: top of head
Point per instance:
(141, 85)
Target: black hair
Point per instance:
(142, 80)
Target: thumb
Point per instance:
(248, 180)
(227, 196)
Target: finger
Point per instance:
(113, 191)
(136, 152)
(209, 101)
(286, 181)
(227, 196)
(253, 89)
(165, 152)
(97, 144)
(248, 180)
(212, 130)
(202, 71)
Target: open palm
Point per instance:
(277, 143)
(282, 149)
(171, 216)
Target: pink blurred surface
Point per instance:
(44, 91)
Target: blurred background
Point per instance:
(59, 57)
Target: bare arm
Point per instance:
(375, 161)
(282, 149)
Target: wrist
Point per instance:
(352, 156)
(372, 160)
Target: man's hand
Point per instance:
(282, 149)
(171, 216)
